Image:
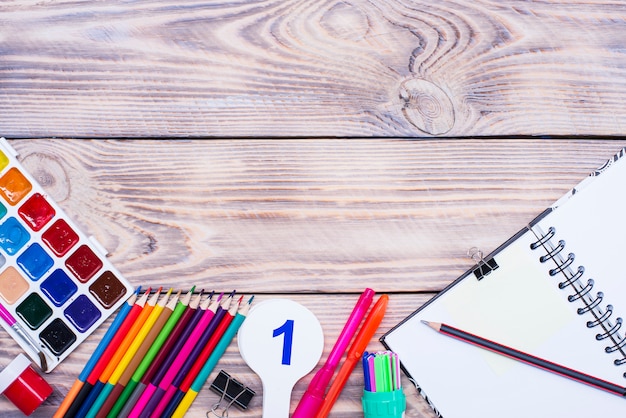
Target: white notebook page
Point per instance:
(520, 305)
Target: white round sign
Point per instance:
(281, 341)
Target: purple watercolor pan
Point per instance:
(54, 280)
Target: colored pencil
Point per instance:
(127, 385)
(210, 364)
(95, 356)
(140, 407)
(138, 356)
(109, 351)
(527, 358)
(186, 321)
(119, 353)
(367, 331)
(208, 350)
(207, 343)
(98, 408)
(156, 394)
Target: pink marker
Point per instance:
(313, 398)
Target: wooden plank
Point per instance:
(306, 215)
(166, 68)
(332, 311)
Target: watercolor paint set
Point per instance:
(56, 285)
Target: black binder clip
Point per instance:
(483, 267)
(231, 390)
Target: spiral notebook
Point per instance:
(556, 290)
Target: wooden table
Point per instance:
(305, 150)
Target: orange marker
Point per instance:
(355, 352)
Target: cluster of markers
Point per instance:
(382, 394)
(156, 356)
(381, 371)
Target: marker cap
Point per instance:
(23, 386)
(384, 404)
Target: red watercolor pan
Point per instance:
(54, 280)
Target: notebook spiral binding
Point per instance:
(582, 291)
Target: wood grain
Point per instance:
(313, 220)
(305, 216)
(334, 68)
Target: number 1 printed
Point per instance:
(287, 330)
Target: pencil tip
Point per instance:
(138, 290)
(240, 299)
(434, 325)
(220, 296)
(193, 288)
(251, 299)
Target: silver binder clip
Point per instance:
(231, 390)
(475, 254)
(483, 266)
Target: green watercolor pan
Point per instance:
(54, 280)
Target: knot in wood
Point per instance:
(345, 21)
(426, 106)
(49, 173)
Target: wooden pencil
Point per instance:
(105, 400)
(106, 356)
(179, 374)
(182, 383)
(149, 356)
(210, 364)
(95, 356)
(187, 321)
(117, 356)
(149, 400)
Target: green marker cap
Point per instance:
(384, 404)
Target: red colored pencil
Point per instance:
(119, 336)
